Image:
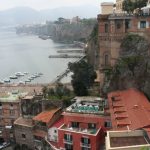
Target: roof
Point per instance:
(107, 4)
(129, 109)
(46, 116)
(40, 133)
(27, 122)
(58, 123)
(11, 97)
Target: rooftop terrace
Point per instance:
(87, 105)
(118, 140)
(13, 96)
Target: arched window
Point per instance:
(106, 59)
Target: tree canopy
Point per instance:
(83, 77)
(132, 69)
(130, 5)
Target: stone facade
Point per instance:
(107, 8)
(112, 29)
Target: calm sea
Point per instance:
(28, 53)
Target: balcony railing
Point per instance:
(85, 145)
(79, 130)
(68, 141)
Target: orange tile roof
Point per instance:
(135, 109)
(46, 116)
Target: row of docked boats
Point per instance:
(19, 75)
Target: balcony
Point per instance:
(79, 130)
(68, 141)
(85, 145)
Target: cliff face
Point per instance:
(93, 48)
(71, 32)
(62, 31)
(132, 69)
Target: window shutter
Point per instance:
(65, 136)
(138, 25)
(147, 24)
(82, 140)
(88, 141)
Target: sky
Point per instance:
(47, 4)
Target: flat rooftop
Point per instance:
(87, 105)
(27, 122)
(127, 141)
(13, 96)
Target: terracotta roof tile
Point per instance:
(135, 106)
(46, 116)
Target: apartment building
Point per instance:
(9, 112)
(112, 29)
(82, 126)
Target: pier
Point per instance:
(66, 56)
(65, 73)
(71, 51)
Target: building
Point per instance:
(129, 109)
(127, 140)
(119, 6)
(82, 126)
(112, 29)
(32, 127)
(9, 112)
(107, 8)
(42, 123)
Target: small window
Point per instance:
(68, 137)
(107, 124)
(106, 28)
(106, 59)
(12, 112)
(92, 126)
(55, 131)
(143, 24)
(75, 124)
(1, 111)
(118, 25)
(85, 140)
(23, 136)
(0, 104)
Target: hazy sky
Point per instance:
(47, 4)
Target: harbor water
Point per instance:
(29, 53)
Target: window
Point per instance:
(106, 28)
(1, 112)
(143, 24)
(106, 59)
(91, 125)
(85, 148)
(75, 124)
(107, 124)
(12, 112)
(127, 24)
(23, 136)
(85, 140)
(68, 137)
(118, 25)
(68, 147)
(55, 131)
(0, 105)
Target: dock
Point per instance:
(65, 73)
(66, 56)
(71, 51)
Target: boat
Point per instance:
(40, 74)
(25, 73)
(7, 80)
(19, 74)
(1, 82)
(21, 82)
(27, 81)
(13, 77)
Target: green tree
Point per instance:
(130, 5)
(83, 77)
